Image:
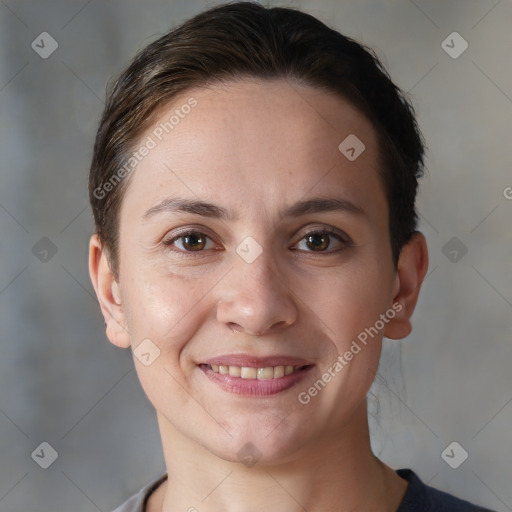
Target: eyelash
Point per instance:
(331, 232)
(345, 240)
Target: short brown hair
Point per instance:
(243, 40)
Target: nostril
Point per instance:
(234, 327)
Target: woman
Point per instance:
(253, 186)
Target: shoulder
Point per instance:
(138, 501)
(420, 497)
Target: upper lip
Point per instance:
(250, 361)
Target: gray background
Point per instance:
(63, 383)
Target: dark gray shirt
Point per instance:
(417, 498)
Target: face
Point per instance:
(289, 264)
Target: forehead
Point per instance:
(258, 145)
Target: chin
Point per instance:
(252, 444)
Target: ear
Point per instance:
(412, 267)
(108, 293)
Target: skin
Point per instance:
(254, 148)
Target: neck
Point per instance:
(337, 472)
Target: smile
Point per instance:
(247, 372)
(255, 382)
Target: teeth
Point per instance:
(246, 372)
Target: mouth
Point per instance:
(249, 372)
(255, 381)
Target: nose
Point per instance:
(255, 298)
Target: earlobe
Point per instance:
(108, 294)
(412, 268)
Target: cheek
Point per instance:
(168, 311)
(350, 301)
(350, 305)
(166, 308)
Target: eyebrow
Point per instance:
(180, 205)
(206, 209)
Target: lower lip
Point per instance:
(255, 387)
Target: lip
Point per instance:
(250, 361)
(255, 387)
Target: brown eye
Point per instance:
(190, 241)
(321, 240)
(317, 241)
(194, 241)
